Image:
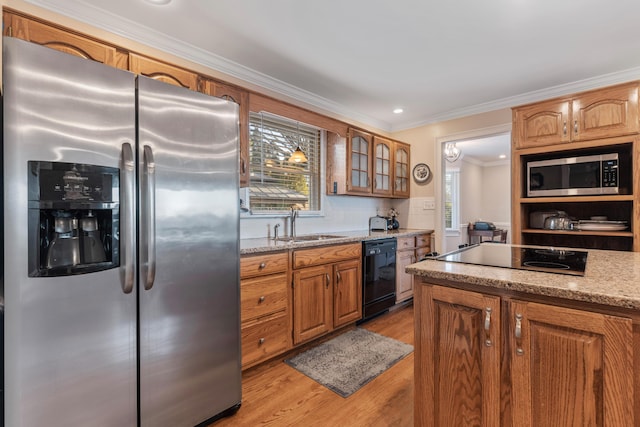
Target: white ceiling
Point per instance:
(362, 58)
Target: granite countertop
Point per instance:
(611, 278)
(262, 245)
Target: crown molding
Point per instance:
(129, 29)
(527, 98)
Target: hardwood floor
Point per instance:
(275, 394)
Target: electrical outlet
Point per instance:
(429, 206)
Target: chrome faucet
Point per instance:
(275, 231)
(292, 219)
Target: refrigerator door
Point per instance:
(70, 341)
(189, 255)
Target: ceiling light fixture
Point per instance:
(158, 2)
(502, 156)
(298, 155)
(398, 110)
(451, 153)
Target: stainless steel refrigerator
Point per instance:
(121, 257)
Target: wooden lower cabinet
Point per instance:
(485, 360)
(409, 250)
(327, 290)
(264, 307)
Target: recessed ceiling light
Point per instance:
(398, 111)
(503, 156)
(158, 2)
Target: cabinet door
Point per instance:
(382, 166)
(240, 97)
(359, 162)
(457, 361)
(544, 123)
(56, 38)
(402, 160)
(347, 293)
(605, 113)
(404, 281)
(312, 302)
(164, 72)
(570, 367)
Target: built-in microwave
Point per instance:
(574, 176)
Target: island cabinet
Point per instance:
(327, 289)
(491, 360)
(601, 113)
(32, 30)
(264, 307)
(409, 250)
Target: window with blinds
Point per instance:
(276, 184)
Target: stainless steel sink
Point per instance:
(308, 238)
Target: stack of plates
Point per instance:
(592, 225)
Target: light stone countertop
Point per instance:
(264, 245)
(611, 278)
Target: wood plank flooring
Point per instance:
(275, 394)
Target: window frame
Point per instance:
(455, 202)
(245, 192)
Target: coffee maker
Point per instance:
(73, 218)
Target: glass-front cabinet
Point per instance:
(402, 160)
(382, 162)
(359, 161)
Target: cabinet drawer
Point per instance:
(263, 295)
(326, 255)
(265, 339)
(257, 265)
(421, 252)
(423, 241)
(406, 243)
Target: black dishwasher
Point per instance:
(378, 276)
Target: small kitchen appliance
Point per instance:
(379, 223)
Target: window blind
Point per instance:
(275, 183)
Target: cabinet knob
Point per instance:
(262, 265)
(261, 299)
(261, 341)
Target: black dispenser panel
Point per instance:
(73, 218)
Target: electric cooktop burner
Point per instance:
(548, 260)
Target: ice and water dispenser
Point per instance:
(73, 218)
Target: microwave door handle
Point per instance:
(127, 218)
(149, 216)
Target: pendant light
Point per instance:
(451, 152)
(298, 155)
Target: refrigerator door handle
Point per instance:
(127, 218)
(149, 216)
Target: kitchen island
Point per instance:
(501, 346)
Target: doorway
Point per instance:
(475, 184)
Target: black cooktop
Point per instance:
(545, 259)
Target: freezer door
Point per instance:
(189, 255)
(70, 341)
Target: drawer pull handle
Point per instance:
(564, 127)
(575, 126)
(261, 299)
(339, 278)
(519, 350)
(263, 265)
(487, 326)
(261, 341)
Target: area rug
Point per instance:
(349, 361)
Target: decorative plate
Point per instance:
(421, 172)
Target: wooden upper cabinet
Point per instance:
(602, 113)
(359, 161)
(60, 39)
(163, 72)
(382, 166)
(605, 113)
(240, 97)
(544, 123)
(570, 367)
(402, 160)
